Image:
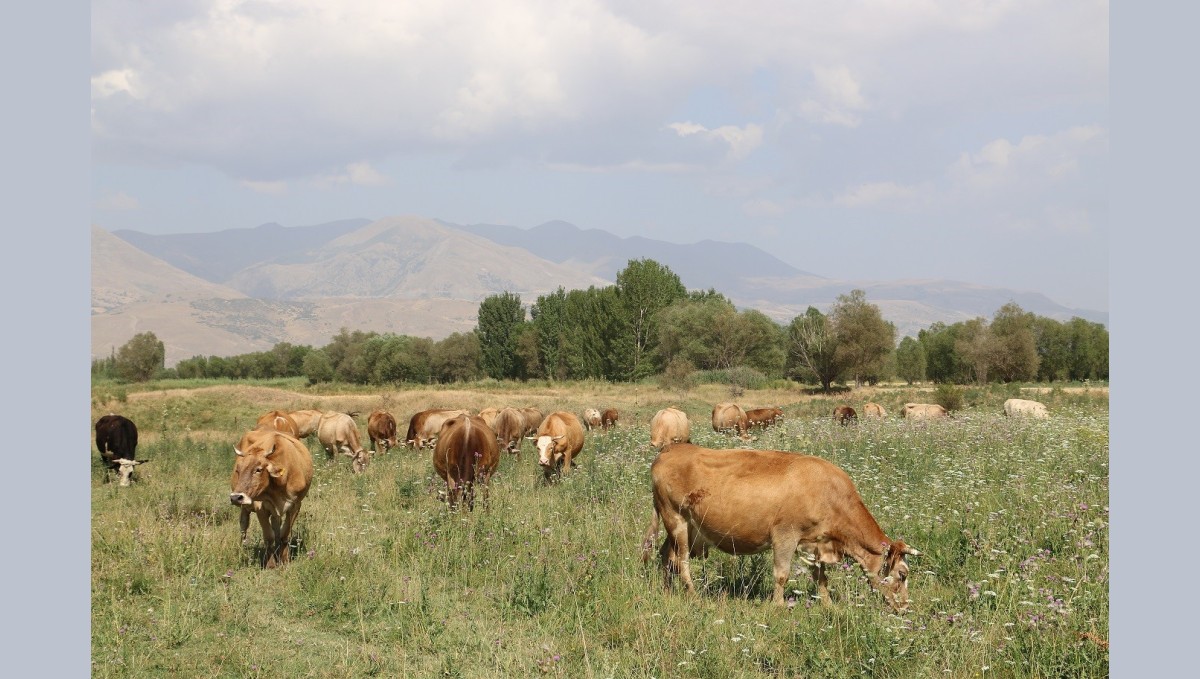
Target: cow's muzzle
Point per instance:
(239, 499)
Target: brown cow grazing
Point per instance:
(117, 439)
(423, 427)
(307, 422)
(763, 417)
(280, 420)
(923, 411)
(669, 425)
(465, 455)
(488, 415)
(873, 411)
(609, 418)
(729, 416)
(1019, 407)
(338, 432)
(510, 429)
(591, 418)
(559, 441)
(533, 420)
(844, 415)
(749, 501)
(381, 429)
(271, 476)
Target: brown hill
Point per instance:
(409, 257)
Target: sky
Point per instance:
(872, 140)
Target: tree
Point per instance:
(547, 317)
(864, 339)
(456, 358)
(1053, 348)
(978, 348)
(812, 348)
(910, 360)
(139, 358)
(1016, 350)
(1089, 350)
(500, 317)
(317, 367)
(643, 288)
(942, 363)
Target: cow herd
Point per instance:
(742, 501)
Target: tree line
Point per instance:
(647, 324)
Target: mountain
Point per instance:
(242, 290)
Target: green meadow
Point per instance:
(1011, 517)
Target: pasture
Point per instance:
(1011, 517)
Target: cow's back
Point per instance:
(281, 420)
(1023, 407)
(509, 427)
(466, 448)
(116, 438)
(381, 426)
(728, 415)
(873, 410)
(669, 425)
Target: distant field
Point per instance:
(1011, 517)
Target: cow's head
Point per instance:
(124, 469)
(360, 461)
(547, 447)
(894, 583)
(252, 474)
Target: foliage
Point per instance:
(679, 376)
(910, 360)
(948, 396)
(456, 358)
(711, 334)
(812, 349)
(643, 288)
(864, 338)
(500, 317)
(1016, 355)
(140, 358)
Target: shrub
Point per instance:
(948, 396)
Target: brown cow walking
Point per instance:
(271, 476)
(465, 455)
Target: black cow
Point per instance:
(116, 438)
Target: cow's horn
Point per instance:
(140, 461)
(240, 453)
(123, 460)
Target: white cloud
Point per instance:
(866, 195)
(117, 202)
(268, 188)
(355, 174)
(837, 99)
(1033, 161)
(763, 207)
(741, 140)
(111, 82)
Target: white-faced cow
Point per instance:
(749, 501)
(1019, 407)
(510, 430)
(465, 455)
(381, 429)
(669, 425)
(271, 475)
(873, 411)
(728, 417)
(923, 411)
(559, 441)
(591, 418)
(117, 439)
(337, 432)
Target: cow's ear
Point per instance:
(276, 472)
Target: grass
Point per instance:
(1011, 517)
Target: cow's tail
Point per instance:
(466, 460)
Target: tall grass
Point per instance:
(1011, 517)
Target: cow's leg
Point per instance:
(567, 463)
(782, 551)
(285, 533)
(244, 522)
(676, 529)
(269, 540)
(817, 570)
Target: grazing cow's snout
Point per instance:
(239, 499)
